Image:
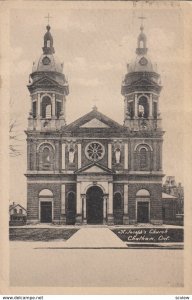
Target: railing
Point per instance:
(141, 124)
(45, 124)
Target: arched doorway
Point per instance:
(94, 202)
(143, 206)
(45, 206)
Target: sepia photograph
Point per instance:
(97, 121)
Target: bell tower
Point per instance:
(48, 89)
(141, 89)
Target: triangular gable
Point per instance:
(16, 205)
(91, 119)
(44, 81)
(94, 168)
(94, 123)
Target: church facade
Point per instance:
(94, 170)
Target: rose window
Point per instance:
(94, 151)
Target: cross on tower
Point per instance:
(48, 17)
(142, 18)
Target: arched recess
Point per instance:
(118, 208)
(71, 208)
(45, 193)
(46, 107)
(143, 206)
(45, 206)
(46, 157)
(143, 107)
(143, 157)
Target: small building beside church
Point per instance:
(17, 214)
(94, 170)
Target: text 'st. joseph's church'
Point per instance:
(94, 170)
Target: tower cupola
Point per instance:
(141, 89)
(48, 88)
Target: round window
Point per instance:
(94, 151)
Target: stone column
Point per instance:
(109, 156)
(151, 106)
(38, 105)
(63, 156)
(125, 212)
(63, 212)
(110, 217)
(79, 205)
(57, 155)
(126, 156)
(154, 156)
(35, 156)
(105, 198)
(136, 106)
(84, 208)
(79, 155)
(53, 105)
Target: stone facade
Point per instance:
(94, 170)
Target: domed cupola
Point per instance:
(141, 86)
(48, 87)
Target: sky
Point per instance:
(95, 44)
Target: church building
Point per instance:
(94, 170)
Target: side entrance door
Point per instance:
(46, 211)
(143, 212)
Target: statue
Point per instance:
(71, 155)
(117, 155)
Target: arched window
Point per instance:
(143, 158)
(46, 157)
(143, 193)
(48, 43)
(46, 108)
(45, 193)
(117, 201)
(143, 108)
(141, 44)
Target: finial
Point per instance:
(94, 108)
(142, 18)
(48, 27)
(142, 39)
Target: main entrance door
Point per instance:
(94, 200)
(46, 211)
(143, 212)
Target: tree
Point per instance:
(15, 136)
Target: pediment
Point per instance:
(94, 123)
(94, 168)
(45, 81)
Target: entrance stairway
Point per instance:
(95, 238)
